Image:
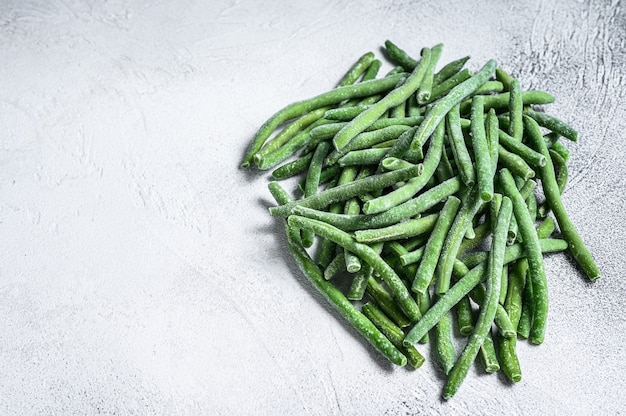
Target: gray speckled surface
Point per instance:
(140, 272)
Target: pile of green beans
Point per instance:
(426, 197)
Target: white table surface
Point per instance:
(140, 272)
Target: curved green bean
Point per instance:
(551, 190)
(342, 305)
(367, 254)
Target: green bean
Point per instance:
(393, 98)
(414, 185)
(516, 251)
(409, 209)
(353, 263)
(487, 312)
(443, 106)
(279, 193)
(386, 302)
(459, 149)
(516, 106)
(553, 124)
(349, 190)
(530, 241)
(446, 302)
(368, 139)
(367, 254)
(412, 257)
(491, 134)
(513, 300)
(550, 188)
(451, 244)
(515, 164)
(484, 172)
(449, 70)
(312, 183)
(345, 113)
(545, 229)
(561, 179)
(289, 132)
(290, 148)
(480, 232)
(400, 57)
(520, 149)
(423, 92)
(327, 131)
(336, 266)
(370, 156)
(433, 247)
(343, 92)
(508, 359)
(359, 282)
(405, 229)
(501, 101)
(393, 163)
(504, 78)
(465, 316)
(504, 285)
(444, 170)
(342, 305)
(440, 89)
(392, 332)
(525, 321)
(292, 168)
(561, 150)
(487, 353)
(489, 87)
(501, 319)
(444, 345)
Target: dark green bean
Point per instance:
(292, 168)
(550, 188)
(363, 325)
(553, 124)
(339, 94)
(530, 241)
(444, 344)
(484, 172)
(392, 332)
(312, 183)
(386, 302)
(520, 149)
(367, 254)
(441, 89)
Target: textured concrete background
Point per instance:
(140, 272)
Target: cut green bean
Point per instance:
(487, 354)
(465, 316)
(441, 89)
(444, 344)
(516, 146)
(508, 359)
(449, 70)
(501, 101)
